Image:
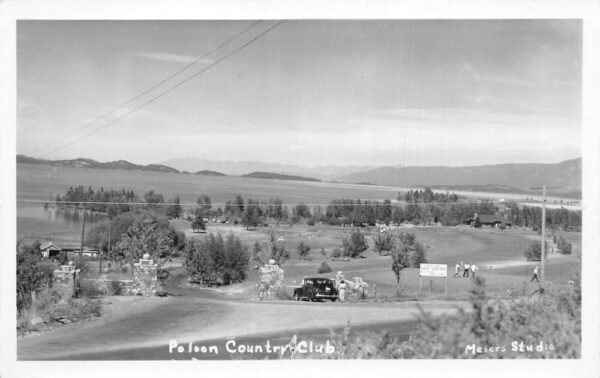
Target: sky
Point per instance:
(308, 92)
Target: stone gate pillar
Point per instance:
(65, 277)
(145, 277)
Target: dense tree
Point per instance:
(148, 234)
(384, 242)
(204, 202)
(198, 223)
(400, 260)
(302, 211)
(32, 273)
(217, 260)
(252, 215)
(174, 209)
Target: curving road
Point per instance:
(144, 328)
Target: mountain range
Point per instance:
(562, 178)
(90, 163)
(231, 168)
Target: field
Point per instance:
(499, 254)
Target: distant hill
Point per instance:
(89, 163)
(561, 178)
(233, 168)
(210, 173)
(277, 176)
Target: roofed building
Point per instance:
(488, 220)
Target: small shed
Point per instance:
(50, 250)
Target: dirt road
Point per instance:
(135, 327)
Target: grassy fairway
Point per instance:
(498, 253)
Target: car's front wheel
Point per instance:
(296, 296)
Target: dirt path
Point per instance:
(197, 315)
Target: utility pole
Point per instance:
(109, 255)
(82, 236)
(543, 234)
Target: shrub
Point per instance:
(534, 251)
(310, 222)
(324, 268)
(564, 246)
(355, 244)
(282, 293)
(336, 252)
(303, 249)
(115, 288)
(87, 289)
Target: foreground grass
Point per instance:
(541, 326)
(55, 307)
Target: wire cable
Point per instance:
(170, 89)
(149, 89)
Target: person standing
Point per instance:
(342, 291)
(535, 274)
(467, 269)
(456, 269)
(473, 270)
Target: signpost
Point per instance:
(433, 270)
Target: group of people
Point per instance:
(468, 269)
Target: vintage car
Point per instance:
(316, 289)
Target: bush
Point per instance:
(87, 289)
(336, 252)
(282, 294)
(324, 268)
(564, 246)
(534, 251)
(355, 244)
(55, 306)
(303, 249)
(115, 288)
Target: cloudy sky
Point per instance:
(307, 92)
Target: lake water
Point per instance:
(62, 227)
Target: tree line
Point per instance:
(114, 202)
(422, 207)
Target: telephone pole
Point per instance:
(543, 235)
(82, 236)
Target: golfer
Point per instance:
(456, 269)
(535, 274)
(467, 269)
(473, 269)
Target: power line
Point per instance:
(149, 89)
(169, 90)
(263, 203)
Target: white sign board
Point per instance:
(433, 270)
